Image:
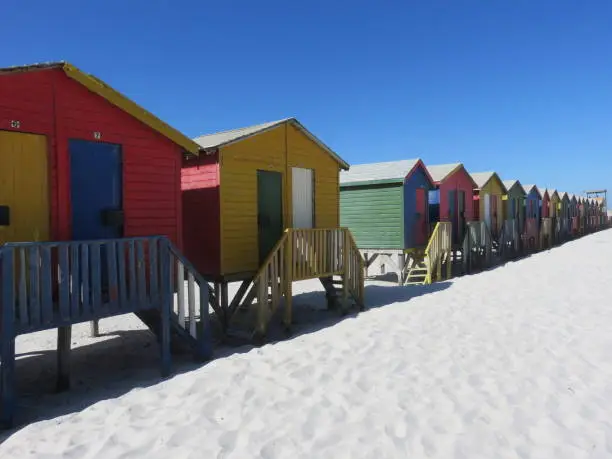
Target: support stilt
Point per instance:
(95, 328)
(64, 339)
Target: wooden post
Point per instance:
(224, 303)
(262, 304)
(205, 344)
(345, 266)
(95, 328)
(64, 338)
(7, 340)
(166, 307)
(401, 264)
(288, 287)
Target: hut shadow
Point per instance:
(111, 366)
(123, 360)
(311, 314)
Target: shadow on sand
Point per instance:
(124, 360)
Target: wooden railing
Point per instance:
(307, 254)
(51, 284)
(575, 225)
(480, 234)
(511, 235)
(546, 233)
(531, 236)
(190, 303)
(46, 285)
(438, 248)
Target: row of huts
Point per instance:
(392, 209)
(105, 209)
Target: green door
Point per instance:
(269, 210)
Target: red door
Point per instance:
(420, 227)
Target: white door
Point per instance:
(487, 209)
(303, 197)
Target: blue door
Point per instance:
(96, 190)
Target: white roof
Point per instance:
(528, 189)
(510, 183)
(391, 170)
(439, 172)
(481, 178)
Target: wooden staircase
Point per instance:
(329, 254)
(424, 267)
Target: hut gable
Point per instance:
(514, 187)
(489, 180)
(225, 138)
(441, 172)
(533, 190)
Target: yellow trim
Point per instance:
(119, 100)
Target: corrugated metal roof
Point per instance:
(511, 183)
(114, 97)
(551, 192)
(530, 187)
(439, 172)
(481, 178)
(219, 139)
(390, 170)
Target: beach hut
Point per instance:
(454, 188)
(554, 204)
(488, 199)
(531, 228)
(574, 214)
(514, 201)
(565, 214)
(261, 207)
(89, 185)
(385, 205)
(98, 165)
(545, 203)
(546, 227)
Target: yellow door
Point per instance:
(24, 187)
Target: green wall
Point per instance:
(374, 214)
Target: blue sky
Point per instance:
(520, 87)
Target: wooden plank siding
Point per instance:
(49, 103)
(278, 149)
(200, 183)
(374, 214)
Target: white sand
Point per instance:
(511, 363)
